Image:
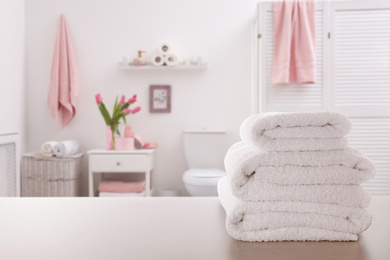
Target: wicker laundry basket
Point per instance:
(50, 176)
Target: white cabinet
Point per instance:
(127, 162)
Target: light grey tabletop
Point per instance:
(158, 228)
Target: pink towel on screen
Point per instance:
(294, 42)
(121, 186)
(63, 86)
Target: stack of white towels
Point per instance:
(294, 178)
(60, 149)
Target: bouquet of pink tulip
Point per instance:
(120, 111)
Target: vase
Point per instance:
(108, 138)
(111, 133)
(114, 133)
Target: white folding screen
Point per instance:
(360, 58)
(353, 75)
(360, 79)
(372, 136)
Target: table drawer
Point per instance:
(117, 163)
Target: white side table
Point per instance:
(105, 161)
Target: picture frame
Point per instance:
(159, 98)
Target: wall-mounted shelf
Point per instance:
(152, 67)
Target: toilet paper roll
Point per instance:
(158, 59)
(171, 59)
(165, 48)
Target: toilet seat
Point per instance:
(203, 177)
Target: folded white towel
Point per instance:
(47, 148)
(343, 195)
(293, 234)
(66, 148)
(262, 129)
(301, 144)
(246, 166)
(282, 220)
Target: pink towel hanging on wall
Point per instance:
(63, 80)
(294, 42)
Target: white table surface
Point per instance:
(182, 228)
(118, 161)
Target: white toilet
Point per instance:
(204, 150)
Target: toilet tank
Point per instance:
(204, 148)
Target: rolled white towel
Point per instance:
(47, 148)
(66, 148)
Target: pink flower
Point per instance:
(99, 99)
(135, 110)
(126, 111)
(123, 100)
(133, 99)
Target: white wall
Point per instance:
(12, 67)
(219, 30)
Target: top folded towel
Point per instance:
(314, 130)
